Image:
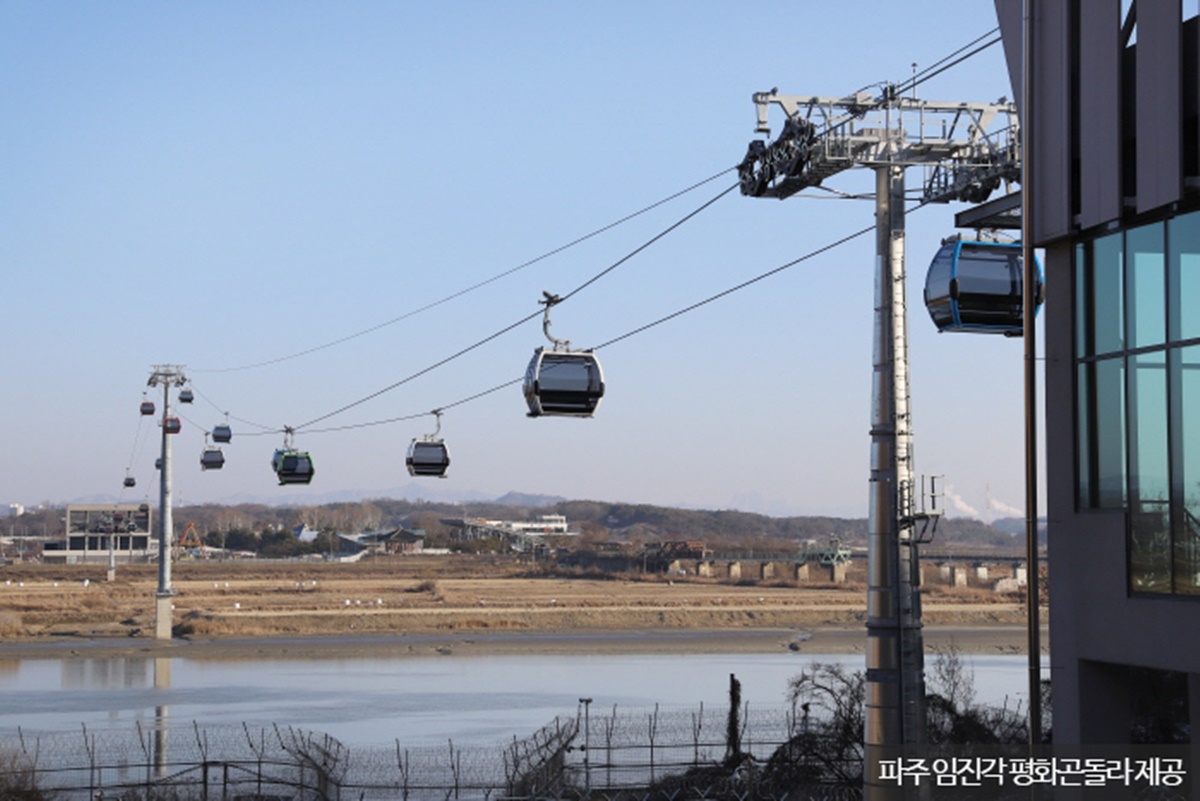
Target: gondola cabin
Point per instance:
(563, 383)
(977, 287)
(186, 396)
(292, 467)
(212, 459)
(427, 457)
(147, 407)
(172, 425)
(222, 433)
(130, 481)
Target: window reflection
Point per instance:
(1149, 506)
(1185, 375)
(1146, 287)
(1137, 308)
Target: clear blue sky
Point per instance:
(216, 184)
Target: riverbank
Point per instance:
(395, 608)
(993, 639)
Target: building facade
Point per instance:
(95, 530)
(1115, 203)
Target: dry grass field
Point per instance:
(398, 595)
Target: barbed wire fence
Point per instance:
(633, 754)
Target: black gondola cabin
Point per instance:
(292, 467)
(222, 433)
(427, 457)
(212, 459)
(977, 287)
(563, 383)
(147, 407)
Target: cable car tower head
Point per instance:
(559, 381)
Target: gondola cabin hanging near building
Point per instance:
(978, 287)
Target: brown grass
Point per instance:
(259, 599)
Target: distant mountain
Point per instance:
(528, 499)
(1016, 526)
(409, 492)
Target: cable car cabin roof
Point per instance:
(977, 287)
(563, 383)
(147, 407)
(222, 433)
(292, 467)
(427, 458)
(212, 459)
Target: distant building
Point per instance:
(91, 530)
(409, 542)
(15, 510)
(522, 536)
(304, 533)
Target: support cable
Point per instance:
(679, 313)
(479, 343)
(476, 286)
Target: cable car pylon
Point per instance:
(969, 150)
(166, 376)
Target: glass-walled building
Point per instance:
(1115, 202)
(93, 529)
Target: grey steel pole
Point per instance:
(163, 619)
(1029, 330)
(166, 523)
(895, 684)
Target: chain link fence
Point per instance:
(639, 754)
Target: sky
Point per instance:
(222, 184)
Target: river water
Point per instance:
(420, 701)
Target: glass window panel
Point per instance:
(1185, 439)
(1145, 286)
(1149, 476)
(1082, 293)
(1084, 444)
(1105, 274)
(937, 280)
(1184, 278)
(1108, 410)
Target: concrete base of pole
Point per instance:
(112, 575)
(163, 619)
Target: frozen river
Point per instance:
(419, 701)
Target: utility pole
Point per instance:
(964, 159)
(587, 745)
(166, 376)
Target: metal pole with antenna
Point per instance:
(1030, 334)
